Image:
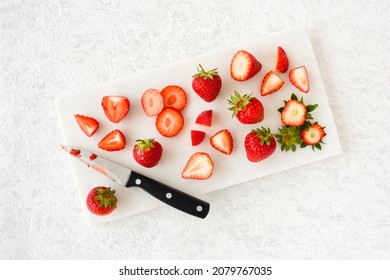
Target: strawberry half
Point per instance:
(259, 144)
(294, 113)
(244, 66)
(169, 122)
(205, 118)
(281, 64)
(152, 102)
(222, 141)
(271, 83)
(247, 109)
(298, 77)
(113, 141)
(147, 152)
(101, 201)
(199, 167)
(207, 84)
(197, 137)
(174, 97)
(115, 107)
(313, 136)
(87, 124)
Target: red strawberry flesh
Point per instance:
(244, 66)
(281, 64)
(115, 107)
(152, 102)
(205, 118)
(174, 97)
(199, 167)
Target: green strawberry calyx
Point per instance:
(106, 197)
(206, 74)
(238, 102)
(289, 137)
(144, 144)
(264, 134)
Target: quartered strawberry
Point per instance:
(281, 64)
(244, 66)
(205, 118)
(298, 77)
(271, 83)
(247, 109)
(87, 124)
(294, 113)
(313, 135)
(199, 167)
(101, 201)
(222, 141)
(147, 152)
(174, 97)
(115, 107)
(169, 122)
(197, 137)
(152, 102)
(207, 84)
(113, 141)
(259, 144)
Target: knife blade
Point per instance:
(130, 178)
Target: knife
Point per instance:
(130, 178)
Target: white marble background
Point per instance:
(338, 208)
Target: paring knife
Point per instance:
(129, 178)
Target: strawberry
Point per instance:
(298, 77)
(113, 141)
(313, 136)
(244, 66)
(247, 109)
(147, 152)
(101, 201)
(288, 137)
(294, 113)
(259, 144)
(115, 107)
(222, 141)
(199, 167)
(271, 83)
(169, 122)
(207, 84)
(87, 124)
(281, 64)
(174, 97)
(152, 102)
(205, 118)
(197, 137)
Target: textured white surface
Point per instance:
(336, 208)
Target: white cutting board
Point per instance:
(228, 170)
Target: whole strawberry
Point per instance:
(101, 201)
(259, 144)
(207, 84)
(247, 109)
(147, 152)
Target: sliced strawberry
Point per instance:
(205, 118)
(197, 137)
(222, 141)
(244, 66)
(87, 124)
(152, 102)
(294, 113)
(169, 122)
(313, 135)
(199, 167)
(113, 141)
(271, 83)
(298, 77)
(281, 63)
(174, 97)
(115, 107)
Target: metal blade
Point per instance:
(116, 172)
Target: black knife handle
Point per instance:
(173, 197)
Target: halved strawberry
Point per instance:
(205, 118)
(244, 66)
(222, 141)
(152, 102)
(197, 137)
(281, 63)
(113, 141)
(199, 167)
(174, 97)
(169, 122)
(271, 83)
(87, 124)
(313, 135)
(298, 77)
(115, 107)
(294, 113)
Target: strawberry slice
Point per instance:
(174, 97)
(87, 124)
(115, 107)
(244, 66)
(271, 83)
(222, 141)
(113, 141)
(197, 137)
(205, 118)
(313, 135)
(199, 167)
(152, 102)
(294, 113)
(281, 64)
(169, 122)
(298, 77)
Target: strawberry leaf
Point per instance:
(311, 108)
(293, 97)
